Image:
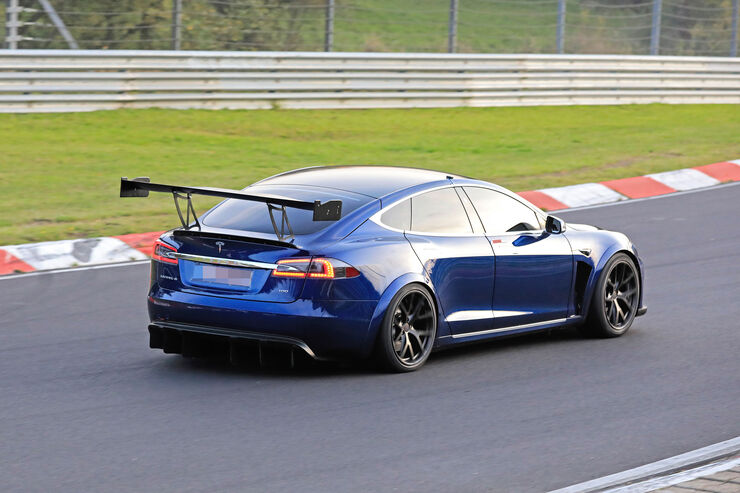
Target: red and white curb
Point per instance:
(552, 199)
(76, 253)
(125, 248)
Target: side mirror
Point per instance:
(554, 225)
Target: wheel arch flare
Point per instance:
(385, 299)
(625, 247)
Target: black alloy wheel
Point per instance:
(620, 295)
(616, 298)
(408, 331)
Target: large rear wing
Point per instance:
(326, 211)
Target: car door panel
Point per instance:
(533, 278)
(461, 270)
(533, 268)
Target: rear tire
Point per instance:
(408, 330)
(615, 299)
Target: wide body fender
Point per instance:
(603, 245)
(443, 329)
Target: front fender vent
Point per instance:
(583, 272)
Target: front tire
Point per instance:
(615, 299)
(408, 330)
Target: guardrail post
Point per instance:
(176, 24)
(735, 9)
(561, 27)
(655, 31)
(452, 28)
(329, 28)
(11, 25)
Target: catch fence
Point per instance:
(656, 27)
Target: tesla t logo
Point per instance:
(220, 245)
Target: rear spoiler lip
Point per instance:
(140, 187)
(246, 237)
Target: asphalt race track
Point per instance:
(86, 406)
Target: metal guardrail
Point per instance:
(66, 80)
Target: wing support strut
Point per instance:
(280, 231)
(177, 196)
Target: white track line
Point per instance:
(623, 202)
(662, 467)
(679, 477)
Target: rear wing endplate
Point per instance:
(326, 211)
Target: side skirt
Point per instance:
(485, 335)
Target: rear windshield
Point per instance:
(253, 216)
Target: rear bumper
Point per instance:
(172, 337)
(237, 347)
(641, 311)
(323, 329)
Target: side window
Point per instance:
(439, 211)
(501, 213)
(398, 216)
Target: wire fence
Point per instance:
(664, 27)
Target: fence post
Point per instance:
(735, 9)
(655, 31)
(176, 24)
(11, 24)
(561, 27)
(329, 28)
(452, 28)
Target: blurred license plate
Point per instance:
(227, 275)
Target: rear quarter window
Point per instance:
(398, 216)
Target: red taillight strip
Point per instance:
(155, 256)
(328, 269)
(279, 273)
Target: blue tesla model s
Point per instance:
(358, 261)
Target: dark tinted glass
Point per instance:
(399, 216)
(439, 211)
(501, 213)
(253, 216)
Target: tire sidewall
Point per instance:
(386, 354)
(599, 315)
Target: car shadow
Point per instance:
(328, 369)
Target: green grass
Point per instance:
(59, 172)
